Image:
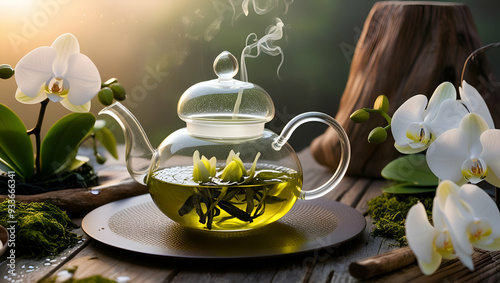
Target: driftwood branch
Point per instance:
(406, 48)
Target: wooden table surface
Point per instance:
(327, 264)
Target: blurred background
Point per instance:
(157, 49)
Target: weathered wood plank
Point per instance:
(316, 175)
(373, 190)
(100, 259)
(335, 267)
(355, 193)
(265, 270)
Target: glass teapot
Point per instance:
(224, 171)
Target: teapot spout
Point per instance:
(139, 154)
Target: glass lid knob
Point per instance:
(226, 66)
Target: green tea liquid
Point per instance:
(220, 207)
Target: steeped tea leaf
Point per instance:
(189, 205)
(250, 198)
(273, 199)
(234, 211)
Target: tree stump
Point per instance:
(406, 48)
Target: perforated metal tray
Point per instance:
(136, 224)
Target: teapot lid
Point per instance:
(225, 107)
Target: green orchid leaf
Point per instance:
(99, 124)
(5, 163)
(399, 189)
(16, 150)
(60, 145)
(411, 168)
(107, 139)
(408, 188)
(78, 162)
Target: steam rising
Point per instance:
(265, 45)
(262, 7)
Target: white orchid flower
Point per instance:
(445, 191)
(429, 243)
(475, 103)
(476, 221)
(447, 238)
(415, 124)
(469, 153)
(59, 72)
(471, 216)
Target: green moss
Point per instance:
(389, 212)
(42, 229)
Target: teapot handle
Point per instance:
(344, 147)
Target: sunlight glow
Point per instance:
(17, 5)
(15, 9)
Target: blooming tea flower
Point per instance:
(235, 170)
(203, 169)
(59, 72)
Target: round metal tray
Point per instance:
(136, 224)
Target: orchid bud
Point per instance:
(109, 82)
(100, 159)
(381, 103)
(118, 91)
(360, 116)
(6, 71)
(105, 96)
(377, 135)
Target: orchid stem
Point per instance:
(473, 55)
(381, 113)
(386, 117)
(497, 196)
(36, 131)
